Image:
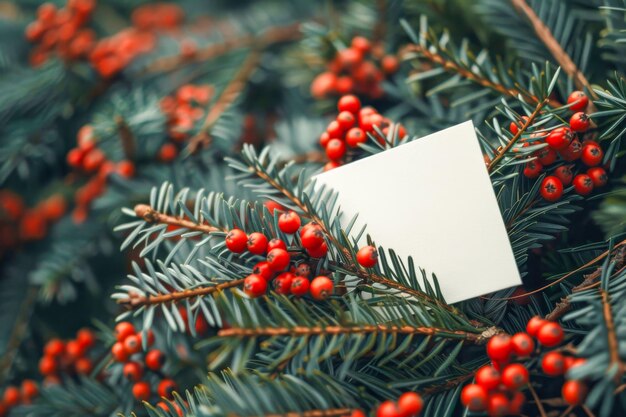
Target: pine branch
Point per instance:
(502, 153)
(613, 343)
(563, 59)
(152, 216)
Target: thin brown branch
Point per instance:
(613, 343)
(336, 330)
(331, 412)
(138, 301)
(542, 411)
(559, 54)
(313, 156)
(502, 153)
(230, 93)
(126, 137)
(567, 411)
(380, 29)
(449, 384)
(564, 305)
(152, 216)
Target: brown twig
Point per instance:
(152, 216)
(502, 153)
(542, 411)
(126, 137)
(313, 156)
(335, 330)
(449, 384)
(607, 313)
(331, 412)
(138, 301)
(559, 54)
(230, 93)
(381, 25)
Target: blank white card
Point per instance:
(432, 199)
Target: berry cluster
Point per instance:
(14, 396)
(287, 275)
(90, 160)
(564, 145)
(182, 110)
(158, 16)
(61, 31)
(409, 404)
(21, 224)
(128, 351)
(68, 357)
(355, 70)
(350, 128)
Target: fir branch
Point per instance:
(152, 216)
(336, 330)
(559, 54)
(613, 343)
(502, 153)
(126, 137)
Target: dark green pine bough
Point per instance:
(386, 330)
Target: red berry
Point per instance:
(523, 344)
(86, 338)
(263, 269)
(93, 159)
(132, 344)
(318, 252)
(74, 349)
(300, 286)
(598, 176)
(334, 129)
(559, 138)
(346, 120)
(517, 403)
(579, 122)
(324, 138)
(321, 288)
(236, 241)
(534, 324)
(324, 84)
(488, 377)
(474, 397)
(565, 174)
(349, 57)
(133, 371)
(166, 387)
(533, 169)
(155, 359)
(551, 188)
(47, 366)
(282, 283)
(257, 243)
(573, 151)
(168, 152)
(254, 285)
(361, 44)
(119, 352)
(578, 101)
(513, 128)
(499, 348)
(289, 222)
(367, 256)
(574, 392)
(335, 149)
(11, 396)
(303, 270)
(410, 404)
(83, 366)
(498, 405)
(123, 330)
(29, 389)
(55, 347)
(553, 364)
(546, 156)
(389, 64)
(355, 136)
(276, 244)
(349, 103)
(85, 138)
(550, 334)
(514, 376)
(278, 259)
(312, 238)
(583, 184)
(388, 409)
(592, 154)
(141, 391)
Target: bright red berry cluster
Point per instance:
(564, 145)
(61, 32)
(409, 404)
(182, 110)
(90, 160)
(128, 350)
(68, 358)
(14, 396)
(350, 128)
(286, 275)
(358, 69)
(21, 224)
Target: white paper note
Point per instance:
(432, 199)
